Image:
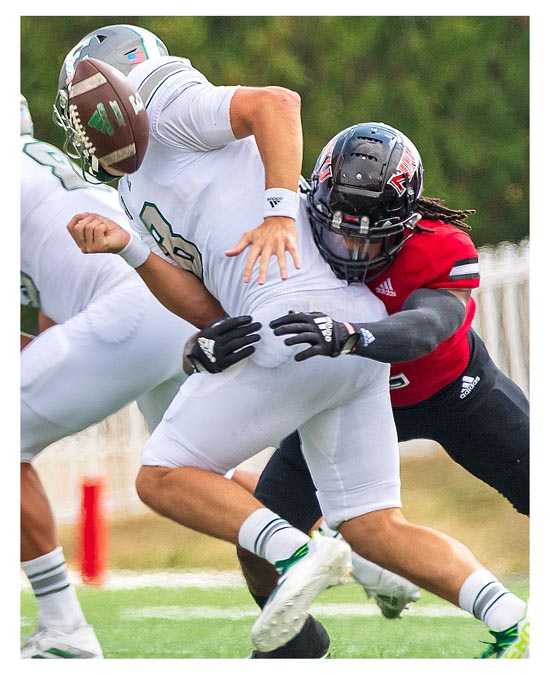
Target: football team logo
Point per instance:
(407, 167)
(325, 170)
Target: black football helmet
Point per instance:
(121, 46)
(364, 189)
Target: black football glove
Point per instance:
(220, 345)
(326, 336)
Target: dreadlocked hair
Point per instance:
(433, 208)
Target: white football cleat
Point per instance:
(62, 643)
(325, 564)
(392, 593)
(512, 643)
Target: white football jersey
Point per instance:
(199, 189)
(55, 275)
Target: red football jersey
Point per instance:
(443, 258)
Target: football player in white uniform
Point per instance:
(220, 161)
(111, 342)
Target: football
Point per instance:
(109, 116)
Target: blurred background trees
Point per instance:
(458, 86)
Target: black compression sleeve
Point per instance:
(428, 317)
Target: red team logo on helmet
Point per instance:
(407, 167)
(325, 170)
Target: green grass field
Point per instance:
(215, 623)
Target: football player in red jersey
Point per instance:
(372, 225)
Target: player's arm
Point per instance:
(429, 317)
(272, 116)
(178, 290)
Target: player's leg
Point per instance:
(376, 528)
(62, 630)
(285, 487)
(74, 375)
(215, 423)
(491, 440)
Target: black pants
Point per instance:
(483, 424)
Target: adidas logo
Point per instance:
(100, 121)
(207, 347)
(325, 326)
(273, 201)
(385, 288)
(468, 383)
(366, 336)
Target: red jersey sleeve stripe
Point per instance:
(468, 268)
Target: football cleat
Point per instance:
(62, 643)
(319, 565)
(512, 643)
(312, 642)
(392, 594)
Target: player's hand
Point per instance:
(220, 345)
(274, 237)
(94, 233)
(326, 336)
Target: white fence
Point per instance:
(502, 317)
(111, 449)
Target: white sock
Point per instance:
(270, 537)
(58, 604)
(488, 600)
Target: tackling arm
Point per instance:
(428, 318)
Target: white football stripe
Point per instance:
(119, 155)
(89, 84)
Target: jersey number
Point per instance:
(182, 251)
(399, 381)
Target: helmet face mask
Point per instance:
(27, 126)
(121, 46)
(365, 186)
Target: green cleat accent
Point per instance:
(56, 654)
(512, 643)
(322, 563)
(283, 565)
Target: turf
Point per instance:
(214, 623)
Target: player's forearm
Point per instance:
(429, 317)
(180, 292)
(278, 133)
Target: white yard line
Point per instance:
(183, 613)
(214, 579)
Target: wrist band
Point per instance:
(135, 253)
(281, 202)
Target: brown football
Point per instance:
(109, 116)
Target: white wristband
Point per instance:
(135, 253)
(281, 202)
